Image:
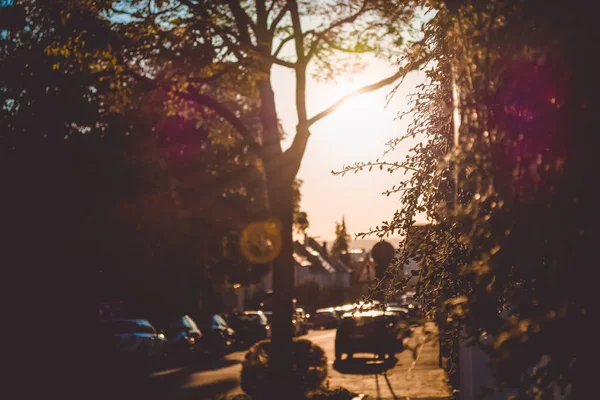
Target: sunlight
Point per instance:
(358, 128)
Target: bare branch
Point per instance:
(281, 44)
(365, 89)
(278, 19)
(283, 63)
(370, 88)
(242, 20)
(298, 34)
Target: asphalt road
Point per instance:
(406, 377)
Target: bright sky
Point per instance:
(357, 131)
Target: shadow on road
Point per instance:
(209, 392)
(124, 383)
(364, 366)
(195, 365)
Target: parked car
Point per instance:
(376, 332)
(408, 301)
(218, 336)
(269, 315)
(401, 312)
(324, 319)
(249, 327)
(301, 322)
(184, 338)
(133, 340)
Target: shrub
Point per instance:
(334, 394)
(309, 368)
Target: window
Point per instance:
(254, 318)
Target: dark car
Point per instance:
(249, 327)
(376, 332)
(218, 336)
(126, 341)
(324, 319)
(184, 339)
(269, 315)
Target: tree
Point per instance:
(340, 247)
(111, 182)
(503, 172)
(216, 60)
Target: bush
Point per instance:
(334, 394)
(309, 368)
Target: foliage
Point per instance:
(333, 394)
(309, 369)
(300, 217)
(502, 172)
(145, 197)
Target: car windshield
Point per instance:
(363, 325)
(218, 322)
(130, 326)
(325, 315)
(254, 318)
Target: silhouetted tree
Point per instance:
(340, 247)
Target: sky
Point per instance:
(357, 131)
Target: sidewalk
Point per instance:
(408, 379)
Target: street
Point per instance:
(408, 378)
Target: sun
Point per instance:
(357, 129)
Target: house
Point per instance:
(343, 272)
(312, 263)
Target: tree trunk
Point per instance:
(280, 174)
(280, 201)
